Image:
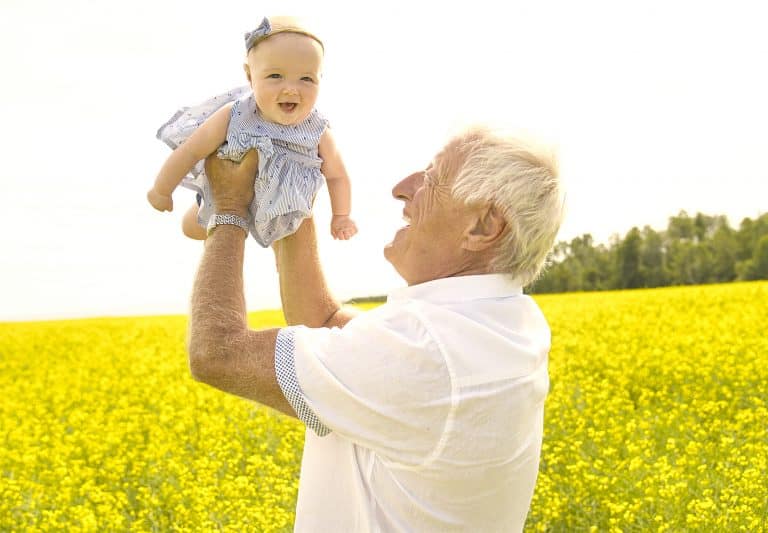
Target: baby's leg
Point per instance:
(190, 226)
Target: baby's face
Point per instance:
(284, 72)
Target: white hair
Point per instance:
(519, 177)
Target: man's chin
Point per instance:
(397, 242)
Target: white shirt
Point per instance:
(427, 412)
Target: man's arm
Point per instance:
(223, 351)
(306, 298)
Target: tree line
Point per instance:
(692, 250)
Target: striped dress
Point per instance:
(289, 165)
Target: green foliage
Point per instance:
(757, 266)
(692, 250)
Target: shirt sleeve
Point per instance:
(381, 382)
(286, 378)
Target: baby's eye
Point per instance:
(274, 76)
(308, 78)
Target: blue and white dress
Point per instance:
(289, 166)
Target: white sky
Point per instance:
(655, 106)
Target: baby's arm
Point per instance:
(339, 188)
(203, 141)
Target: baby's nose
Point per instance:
(291, 90)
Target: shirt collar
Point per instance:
(459, 288)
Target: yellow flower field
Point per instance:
(657, 420)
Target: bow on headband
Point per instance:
(252, 36)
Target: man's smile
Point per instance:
(407, 220)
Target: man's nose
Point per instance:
(405, 188)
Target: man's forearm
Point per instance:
(218, 314)
(223, 351)
(306, 297)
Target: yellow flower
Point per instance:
(655, 420)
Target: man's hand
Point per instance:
(232, 183)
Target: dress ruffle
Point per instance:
(187, 119)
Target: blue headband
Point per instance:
(252, 36)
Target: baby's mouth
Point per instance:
(288, 107)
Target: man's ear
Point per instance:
(485, 231)
(247, 72)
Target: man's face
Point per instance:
(430, 246)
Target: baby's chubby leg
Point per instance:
(190, 226)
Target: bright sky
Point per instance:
(656, 106)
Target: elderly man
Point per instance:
(426, 413)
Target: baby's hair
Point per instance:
(285, 24)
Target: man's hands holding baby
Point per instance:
(232, 183)
(232, 189)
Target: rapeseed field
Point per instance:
(657, 420)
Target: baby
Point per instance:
(274, 115)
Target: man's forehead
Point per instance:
(446, 162)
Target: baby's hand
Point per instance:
(342, 227)
(161, 202)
